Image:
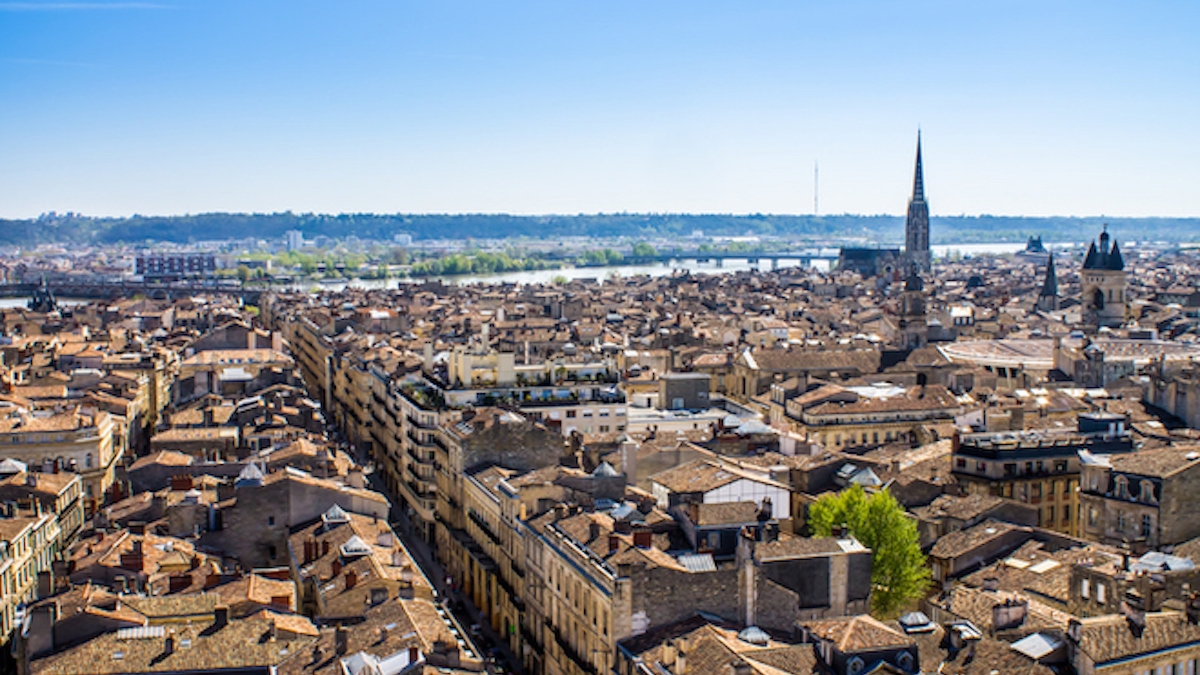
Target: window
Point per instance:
(1100, 592)
(1121, 521)
(378, 595)
(570, 414)
(1147, 525)
(1010, 469)
(1147, 492)
(271, 522)
(1085, 589)
(1060, 466)
(1092, 516)
(1066, 513)
(1050, 516)
(1122, 487)
(961, 463)
(981, 467)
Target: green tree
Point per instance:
(243, 273)
(898, 572)
(643, 250)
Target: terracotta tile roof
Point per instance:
(1108, 638)
(858, 633)
(964, 508)
(793, 547)
(1160, 462)
(963, 541)
(197, 648)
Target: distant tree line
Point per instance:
(876, 229)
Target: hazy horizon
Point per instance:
(175, 107)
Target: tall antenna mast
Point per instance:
(816, 187)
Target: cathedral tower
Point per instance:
(916, 227)
(1103, 281)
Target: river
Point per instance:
(601, 273)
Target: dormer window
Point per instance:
(1148, 492)
(1122, 487)
(355, 547)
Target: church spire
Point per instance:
(1050, 287)
(919, 177)
(916, 227)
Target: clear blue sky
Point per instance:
(1038, 107)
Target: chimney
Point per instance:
(178, 582)
(740, 667)
(281, 602)
(137, 527)
(351, 579)
(614, 542)
(341, 640)
(324, 548)
(220, 617)
(208, 417)
(668, 653)
(212, 580)
(1193, 607)
(593, 531)
(31, 479)
(169, 646)
(336, 567)
(680, 662)
(643, 539)
(1011, 614)
(413, 654)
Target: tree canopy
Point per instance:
(898, 572)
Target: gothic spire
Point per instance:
(919, 177)
(1050, 287)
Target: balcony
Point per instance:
(417, 457)
(584, 665)
(426, 442)
(416, 422)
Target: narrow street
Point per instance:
(495, 650)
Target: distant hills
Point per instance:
(872, 229)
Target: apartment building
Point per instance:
(80, 439)
(29, 544)
(1145, 500)
(1040, 468)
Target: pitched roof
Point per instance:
(858, 633)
